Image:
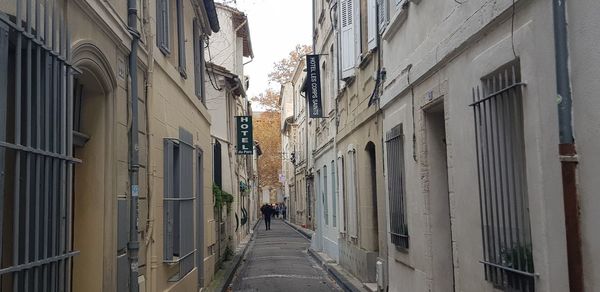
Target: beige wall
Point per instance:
(449, 57)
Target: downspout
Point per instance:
(150, 260)
(567, 149)
(133, 244)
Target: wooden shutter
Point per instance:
(372, 23)
(348, 43)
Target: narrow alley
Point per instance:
(277, 260)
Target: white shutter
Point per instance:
(372, 23)
(348, 44)
(340, 182)
(383, 14)
(352, 195)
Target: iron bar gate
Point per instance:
(36, 163)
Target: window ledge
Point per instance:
(366, 58)
(396, 21)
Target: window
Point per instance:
(372, 24)
(341, 194)
(348, 38)
(179, 203)
(334, 195)
(325, 196)
(352, 195)
(396, 187)
(181, 39)
(163, 26)
(499, 137)
(198, 62)
(383, 14)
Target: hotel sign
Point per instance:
(245, 143)
(314, 86)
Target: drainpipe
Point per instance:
(150, 259)
(133, 244)
(567, 149)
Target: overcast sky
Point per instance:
(276, 27)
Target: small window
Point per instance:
(179, 204)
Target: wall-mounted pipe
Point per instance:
(133, 244)
(567, 149)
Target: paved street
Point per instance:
(277, 260)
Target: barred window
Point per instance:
(506, 232)
(396, 187)
(341, 192)
(179, 203)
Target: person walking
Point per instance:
(267, 212)
(284, 211)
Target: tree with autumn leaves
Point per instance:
(267, 130)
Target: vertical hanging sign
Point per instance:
(314, 86)
(245, 143)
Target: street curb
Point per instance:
(236, 261)
(342, 280)
(306, 234)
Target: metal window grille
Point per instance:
(325, 197)
(497, 108)
(181, 39)
(36, 158)
(334, 195)
(179, 203)
(396, 187)
(163, 26)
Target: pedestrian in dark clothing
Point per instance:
(284, 211)
(267, 212)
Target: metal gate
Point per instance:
(36, 163)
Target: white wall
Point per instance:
(584, 34)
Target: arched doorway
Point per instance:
(92, 187)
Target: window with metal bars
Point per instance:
(179, 203)
(498, 113)
(396, 187)
(36, 157)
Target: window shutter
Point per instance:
(382, 14)
(348, 44)
(198, 59)
(340, 182)
(372, 23)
